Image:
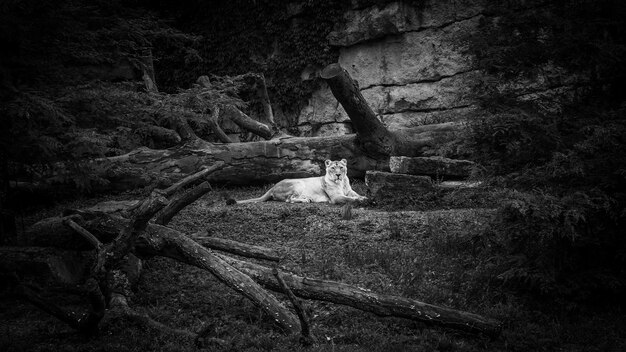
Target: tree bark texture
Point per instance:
(246, 122)
(170, 243)
(164, 241)
(180, 202)
(242, 249)
(254, 162)
(373, 137)
(381, 305)
(214, 125)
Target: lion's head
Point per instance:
(336, 170)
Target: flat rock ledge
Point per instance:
(436, 167)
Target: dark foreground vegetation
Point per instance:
(540, 248)
(444, 257)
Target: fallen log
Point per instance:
(381, 305)
(306, 338)
(373, 137)
(164, 241)
(167, 242)
(254, 162)
(234, 247)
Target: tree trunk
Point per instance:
(373, 137)
(255, 162)
(273, 160)
(381, 305)
(276, 159)
(268, 114)
(170, 243)
(242, 249)
(164, 241)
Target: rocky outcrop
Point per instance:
(400, 17)
(413, 65)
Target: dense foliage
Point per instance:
(277, 38)
(562, 232)
(70, 90)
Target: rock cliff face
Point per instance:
(414, 66)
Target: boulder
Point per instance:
(385, 185)
(438, 167)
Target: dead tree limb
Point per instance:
(268, 114)
(262, 161)
(245, 122)
(305, 330)
(170, 243)
(180, 202)
(168, 192)
(234, 247)
(373, 137)
(98, 246)
(214, 125)
(181, 126)
(164, 241)
(381, 305)
(123, 244)
(212, 119)
(84, 233)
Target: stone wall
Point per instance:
(414, 66)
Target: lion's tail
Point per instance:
(262, 198)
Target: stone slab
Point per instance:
(431, 166)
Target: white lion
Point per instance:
(334, 188)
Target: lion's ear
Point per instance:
(344, 161)
(327, 162)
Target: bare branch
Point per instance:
(215, 126)
(180, 202)
(244, 121)
(168, 192)
(99, 247)
(173, 244)
(81, 231)
(234, 247)
(382, 305)
(305, 331)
